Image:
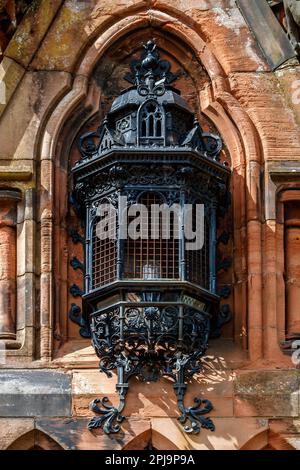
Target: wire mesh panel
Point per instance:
(157, 256)
(197, 261)
(104, 259)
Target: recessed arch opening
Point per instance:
(192, 79)
(35, 440)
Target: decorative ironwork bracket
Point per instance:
(224, 264)
(76, 264)
(76, 237)
(192, 418)
(75, 316)
(224, 316)
(110, 416)
(193, 414)
(75, 291)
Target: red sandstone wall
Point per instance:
(59, 75)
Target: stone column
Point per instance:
(8, 221)
(292, 266)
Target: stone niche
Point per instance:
(107, 81)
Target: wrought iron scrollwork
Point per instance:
(194, 415)
(76, 264)
(75, 316)
(224, 238)
(111, 416)
(224, 264)
(224, 316)
(150, 342)
(108, 415)
(225, 292)
(213, 145)
(75, 291)
(76, 237)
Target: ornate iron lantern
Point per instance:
(150, 302)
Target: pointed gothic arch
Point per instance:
(225, 111)
(150, 440)
(35, 440)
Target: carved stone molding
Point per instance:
(8, 219)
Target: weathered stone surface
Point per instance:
(276, 124)
(268, 32)
(35, 439)
(10, 76)
(32, 30)
(34, 97)
(27, 207)
(230, 434)
(18, 171)
(34, 393)
(224, 29)
(73, 434)
(158, 399)
(267, 393)
(74, 26)
(285, 434)
(289, 79)
(26, 248)
(12, 428)
(26, 300)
